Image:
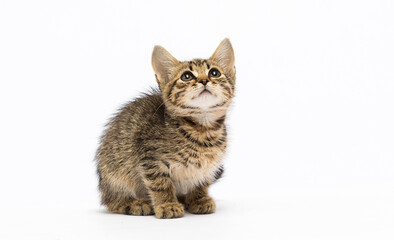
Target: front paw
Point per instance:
(203, 205)
(169, 210)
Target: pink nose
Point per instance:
(204, 81)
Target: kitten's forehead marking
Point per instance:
(195, 73)
(199, 67)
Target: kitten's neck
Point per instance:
(201, 120)
(208, 119)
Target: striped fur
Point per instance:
(161, 152)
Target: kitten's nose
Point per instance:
(204, 81)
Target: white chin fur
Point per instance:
(204, 100)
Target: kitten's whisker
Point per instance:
(158, 108)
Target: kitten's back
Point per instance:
(137, 120)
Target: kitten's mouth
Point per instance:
(204, 92)
(204, 95)
(204, 99)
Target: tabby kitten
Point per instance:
(161, 152)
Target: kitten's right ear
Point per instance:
(224, 55)
(163, 63)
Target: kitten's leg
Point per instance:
(198, 202)
(161, 190)
(139, 207)
(118, 201)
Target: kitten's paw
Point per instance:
(139, 207)
(203, 205)
(169, 210)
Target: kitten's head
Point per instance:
(201, 87)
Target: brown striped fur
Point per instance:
(161, 152)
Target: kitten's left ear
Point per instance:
(163, 63)
(224, 55)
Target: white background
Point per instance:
(311, 152)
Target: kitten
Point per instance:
(163, 150)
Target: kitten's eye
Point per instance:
(186, 76)
(214, 73)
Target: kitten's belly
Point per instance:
(185, 178)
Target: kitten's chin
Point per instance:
(204, 99)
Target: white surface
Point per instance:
(334, 215)
(311, 153)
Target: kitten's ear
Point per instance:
(224, 55)
(163, 63)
